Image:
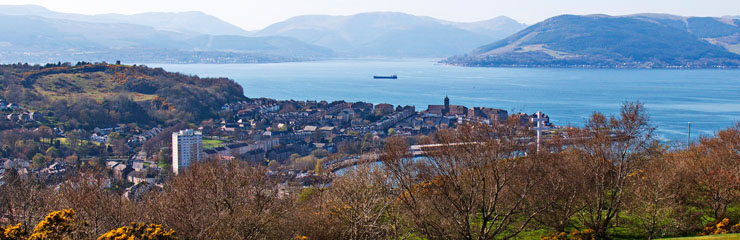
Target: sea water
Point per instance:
(709, 99)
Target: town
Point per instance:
(300, 141)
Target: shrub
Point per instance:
(586, 234)
(555, 236)
(12, 232)
(719, 227)
(139, 231)
(735, 228)
(56, 225)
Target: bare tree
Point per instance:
(655, 197)
(24, 199)
(89, 194)
(221, 201)
(361, 202)
(712, 170)
(611, 150)
(473, 185)
(559, 190)
(357, 205)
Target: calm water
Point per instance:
(707, 98)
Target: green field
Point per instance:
(65, 142)
(710, 237)
(164, 165)
(95, 85)
(212, 143)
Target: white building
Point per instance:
(187, 147)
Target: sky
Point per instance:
(257, 14)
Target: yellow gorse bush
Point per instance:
(139, 231)
(59, 225)
(12, 232)
(555, 236)
(717, 227)
(424, 187)
(56, 225)
(586, 234)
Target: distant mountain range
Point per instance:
(32, 33)
(392, 34)
(635, 41)
(191, 23)
(35, 34)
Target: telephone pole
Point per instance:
(688, 141)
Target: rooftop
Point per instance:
(187, 132)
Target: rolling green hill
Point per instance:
(638, 41)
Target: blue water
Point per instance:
(710, 99)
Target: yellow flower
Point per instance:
(139, 231)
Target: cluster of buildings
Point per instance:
(142, 173)
(16, 113)
(259, 130)
(139, 139)
(54, 170)
(265, 129)
(137, 169)
(258, 106)
(290, 120)
(389, 121)
(6, 164)
(25, 117)
(462, 113)
(100, 135)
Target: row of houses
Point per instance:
(242, 148)
(143, 137)
(136, 170)
(105, 131)
(53, 170)
(100, 135)
(393, 119)
(25, 116)
(297, 118)
(7, 163)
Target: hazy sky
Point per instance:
(254, 14)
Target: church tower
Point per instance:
(447, 106)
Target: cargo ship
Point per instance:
(386, 77)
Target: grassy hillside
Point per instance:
(710, 237)
(606, 41)
(94, 95)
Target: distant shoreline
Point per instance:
(596, 67)
(589, 66)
